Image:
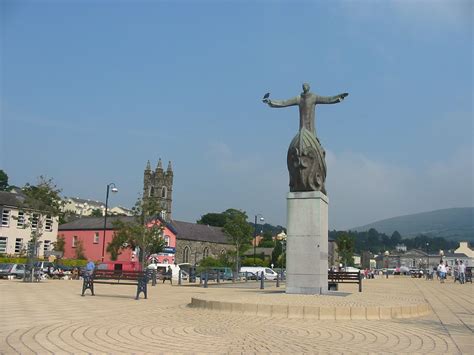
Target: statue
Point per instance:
(306, 157)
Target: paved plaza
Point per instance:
(52, 317)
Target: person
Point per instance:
(90, 267)
(442, 271)
(168, 275)
(462, 272)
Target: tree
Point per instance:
(44, 196)
(144, 232)
(3, 181)
(345, 248)
(96, 212)
(213, 219)
(60, 243)
(239, 231)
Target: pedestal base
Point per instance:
(307, 243)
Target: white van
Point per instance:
(267, 272)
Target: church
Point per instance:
(193, 241)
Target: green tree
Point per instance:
(96, 212)
(79, 250)
(345, 248)
(44, 196)
(60, 243)
(239, 231)
(213, 219)
(144, 232)
(3, 181)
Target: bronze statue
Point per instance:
(306, 157)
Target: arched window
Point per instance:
(164, 192)
(186, 255)
(205, 252)
(151, 192)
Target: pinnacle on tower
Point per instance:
(160, 165)
(148, 166)
(170, 168)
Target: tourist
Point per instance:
(462, 272)
(90, 267)
(442, 271)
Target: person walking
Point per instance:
(90, 267)
(442, 271)
(462, 272)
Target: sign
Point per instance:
(169, 250)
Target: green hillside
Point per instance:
(451, 223)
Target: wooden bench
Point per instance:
(116, 277)
(335, 277)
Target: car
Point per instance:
(268, 273)
(350, 269)
(247, 275)
(5, 270)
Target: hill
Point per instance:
(451, 223)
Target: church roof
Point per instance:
(200, 232)
(183, 230)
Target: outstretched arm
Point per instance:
(281, 103)
(331, 99)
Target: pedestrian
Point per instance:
(90, 267)
(168, 275)
(462, 272)
(442, 271)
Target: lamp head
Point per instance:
(262, 219)
(114, 189)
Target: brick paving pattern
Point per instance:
(52, 317)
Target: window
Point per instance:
(18, 245)
(164, 192)
(205, 253)
(96, 238)
(20, 222)
(74, 241)
(48, 226)
(163, 215)
(151, 192)
(6, 217)
(223, 251)
(46, 246)
(167, 240)
(186, 255)
(34, 221)
(3, 244)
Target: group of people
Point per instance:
(459, 270)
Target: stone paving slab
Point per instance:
(52, 317)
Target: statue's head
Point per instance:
(306, 88)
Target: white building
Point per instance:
(18, 223)
(82, 207)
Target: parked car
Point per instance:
(5, 270)
(247, 275)
(10, 269)
(268, 273)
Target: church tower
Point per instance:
(158, 185)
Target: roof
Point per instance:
(183, 230)
(200, 232)
(12, 199)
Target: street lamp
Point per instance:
(428, 256)
(114, 189)
(255, 235)
(386, 262)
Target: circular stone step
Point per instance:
(338, 312)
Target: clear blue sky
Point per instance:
(91, 90)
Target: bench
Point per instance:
(335, 277)
(116, 277)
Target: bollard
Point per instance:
(262, 278)
(206, 275)
(153, 278)
(200, 279)
(179, 277)
(218, 276)
(278, 280)
(246, 276)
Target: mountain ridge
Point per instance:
(451, 223)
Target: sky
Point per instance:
(91, 90)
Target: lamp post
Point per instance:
(428, 256)
(255, 235)
(386, 262)
(114, 189)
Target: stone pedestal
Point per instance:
(307, 243)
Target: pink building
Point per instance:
(86, 236)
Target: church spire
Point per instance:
(148, 166)
(170, 168)
(160, 165)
